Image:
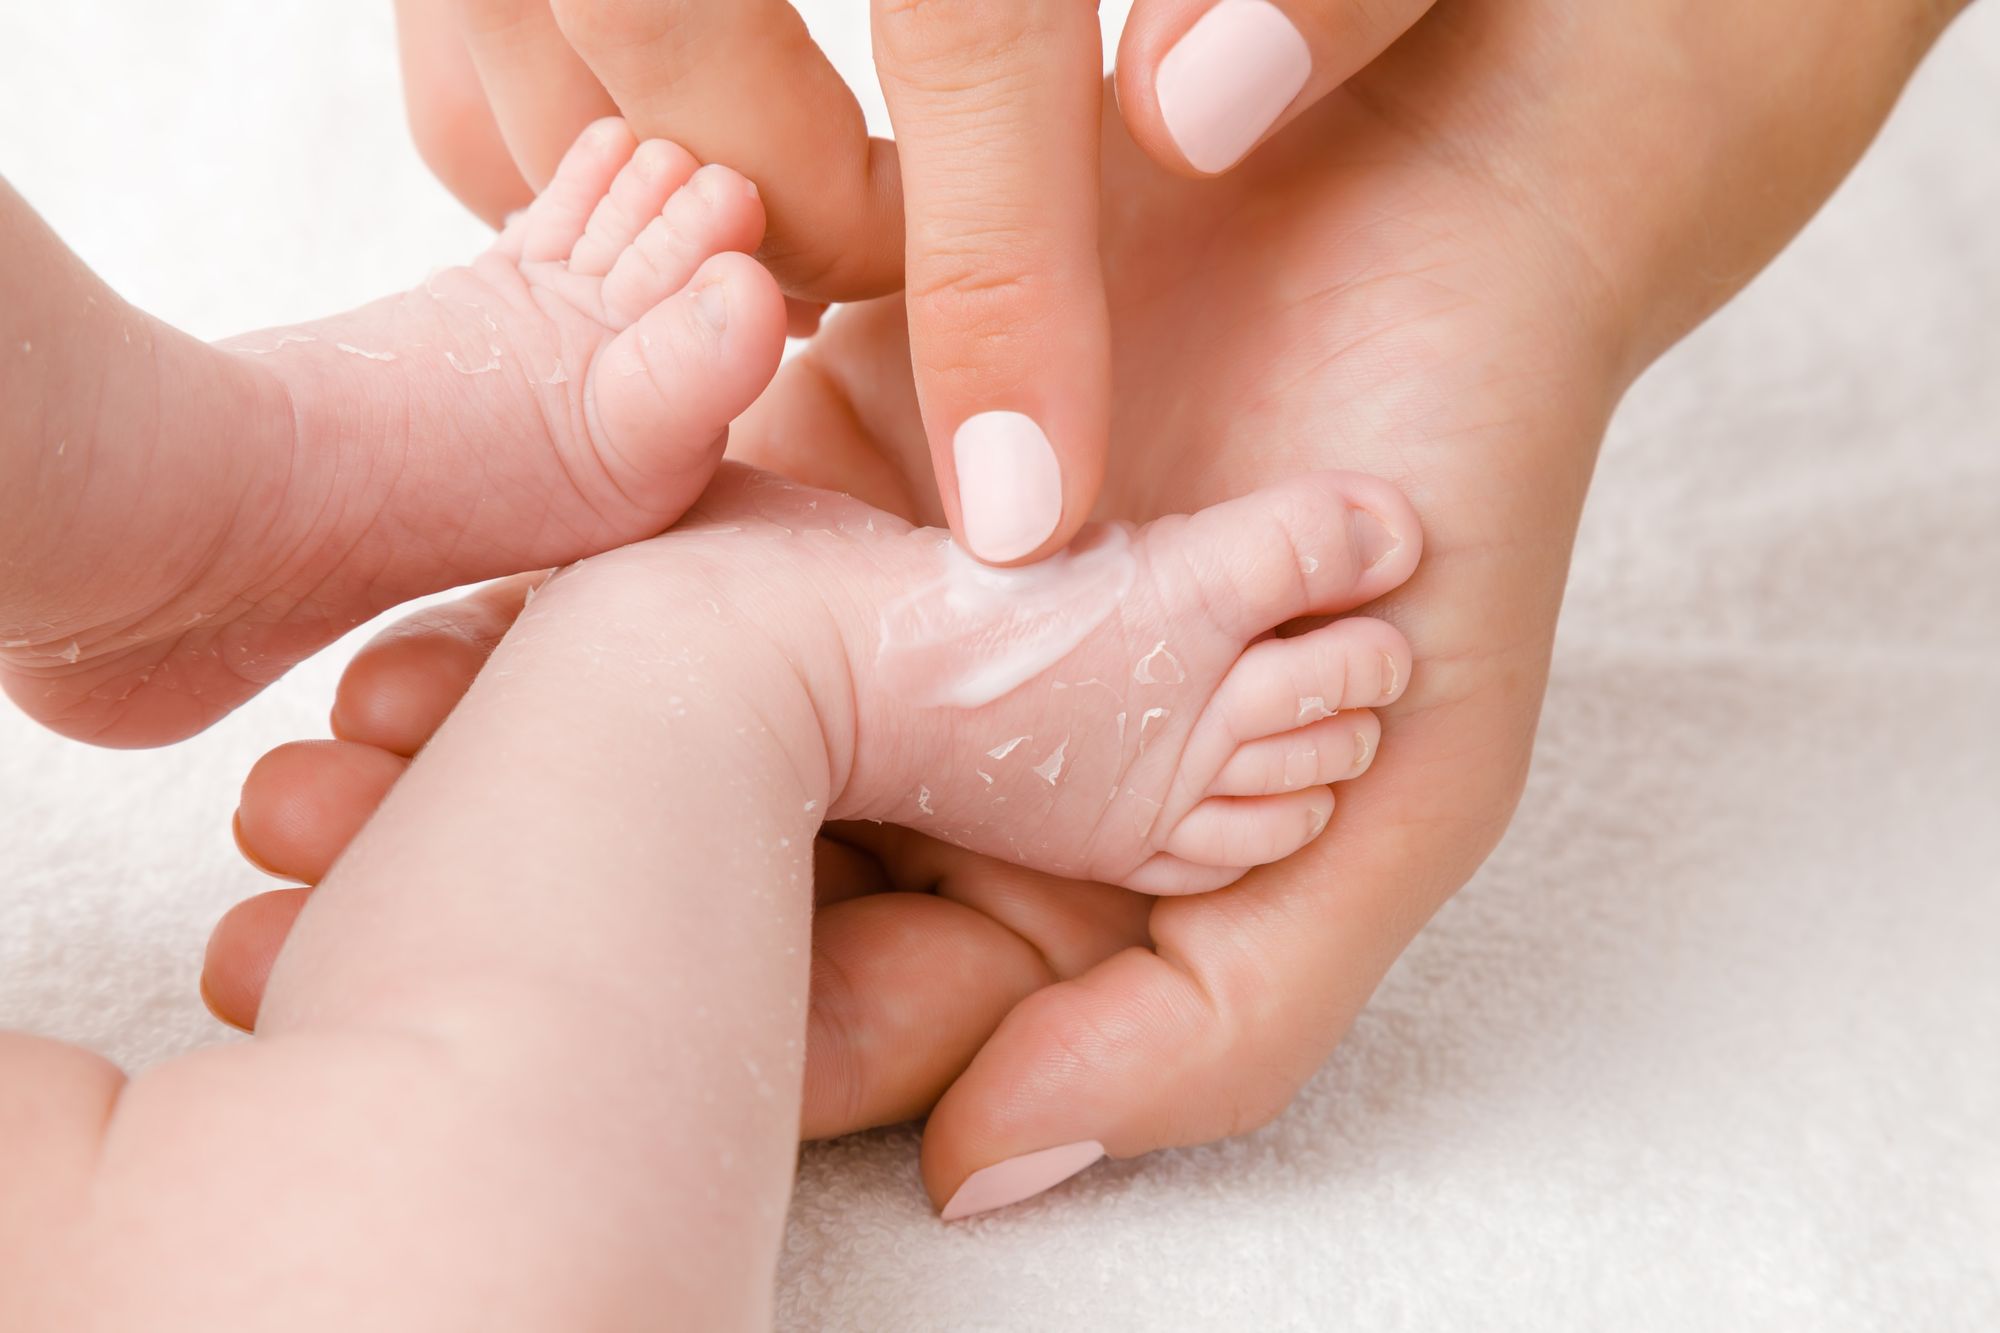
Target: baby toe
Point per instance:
(1250, 830)
(1281, 685)
(638, 193)
(715, 212)
(1333, 749)
(551, 226)
(1317, 545)
(661, 395)
(1168, 876)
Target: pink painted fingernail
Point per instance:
(1020, 1178)
(1009, 485)
(1229, 79)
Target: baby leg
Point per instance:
(181, 523)
(533, 1057)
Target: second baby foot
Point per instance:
(566, 392)
(1121, 714)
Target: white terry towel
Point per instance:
(1713, 1042)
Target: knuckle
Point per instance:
(968, 340)
(977, 298)
(929, 39)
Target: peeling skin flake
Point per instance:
(278, 345)
(1312, 708)
(1159, 667)
(493, 363)
(1005, 748)
(1051, 768)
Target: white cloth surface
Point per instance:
(1712, 1042)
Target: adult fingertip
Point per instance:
(245, 943)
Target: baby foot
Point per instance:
(567, 392)
(1122, 714)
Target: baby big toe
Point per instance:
(1250, 830)
(638, 193)
(663, 392)
(716, 211)
(1316, 545)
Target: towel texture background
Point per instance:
(1713, 1041)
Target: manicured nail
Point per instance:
(1373, 542)
(1020, 1178)
(713, 303)
(1009, 485)
(1229, 79)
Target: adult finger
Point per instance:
(303, 803)
(996, 108)
(1202, 82)
(541, 91)
(908, 984)
(742, 82)
(449, 116)
(241, 950)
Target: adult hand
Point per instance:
(986, 205)
(1410, 283)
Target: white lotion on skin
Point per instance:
(976, 633)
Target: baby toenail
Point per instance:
(1372, 540)
(713, 303)
(1360, 750)
(1390, 675)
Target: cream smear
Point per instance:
(976, 633)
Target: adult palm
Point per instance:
(1360, 296)
(1444, 274)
